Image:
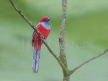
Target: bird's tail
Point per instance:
(36, 57)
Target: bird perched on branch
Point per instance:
(44, 28)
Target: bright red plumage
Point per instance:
(37, 41)
(44, 29)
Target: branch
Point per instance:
(33, 26)
(71, 71)
(62, 33)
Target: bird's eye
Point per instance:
(44, 19)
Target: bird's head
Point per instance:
(44, 19)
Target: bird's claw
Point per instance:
(43, 37)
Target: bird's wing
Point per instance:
(34, 33)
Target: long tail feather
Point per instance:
(36, 57)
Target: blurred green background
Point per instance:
(86, 36)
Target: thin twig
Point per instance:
(62, 33)
(71, 71)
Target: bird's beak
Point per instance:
(48, 19)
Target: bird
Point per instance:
(44, 28)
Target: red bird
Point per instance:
(44, 28)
